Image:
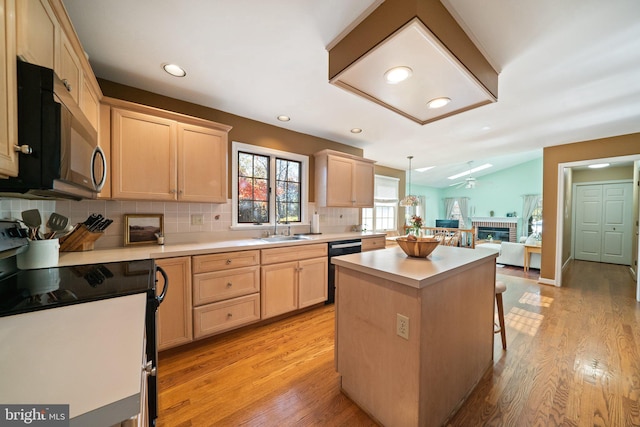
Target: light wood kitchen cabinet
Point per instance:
(373, 243)
(38, 33)
(143, 155)
(175, 322)
(159, 155)
(8, 85)
(202, 164)
(45, 37)
(69, 69)
(90, 95)
(292, 278)
(343, 180)
(226, 291)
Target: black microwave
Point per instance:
(60, 157)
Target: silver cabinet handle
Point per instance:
(66, 84)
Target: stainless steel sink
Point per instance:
(273, 239)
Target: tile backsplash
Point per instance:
(177, 218)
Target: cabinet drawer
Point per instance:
(225, 261)
(222, 285)
(373, 243)
(293, 253)
(221, 316)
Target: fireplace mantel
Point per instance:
(510, 219)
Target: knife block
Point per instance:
(79, 240)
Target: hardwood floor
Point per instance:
(572, 360)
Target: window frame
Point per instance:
(273, 154)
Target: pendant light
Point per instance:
(410, 199)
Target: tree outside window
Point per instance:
(288, 190)
(253, 188)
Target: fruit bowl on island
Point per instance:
(417, 247)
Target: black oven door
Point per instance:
(153, 303)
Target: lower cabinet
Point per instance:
(298, 282)
(226, 291)
(175, 313)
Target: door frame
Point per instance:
(560, 211)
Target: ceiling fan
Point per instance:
(469, 182)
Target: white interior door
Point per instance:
(603, 223)
(588, 228)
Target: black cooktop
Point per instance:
(23, 291)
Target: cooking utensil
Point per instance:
(33, 220)
(57, 223)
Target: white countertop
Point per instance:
(393, 264)
(130, 253)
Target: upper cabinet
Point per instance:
(38, 33)
(8, 92)
(45, 37)
(159, 155)
(343, 180)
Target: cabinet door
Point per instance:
(69, 69)
(8, 101)
(278, 289)
(340, 182)
(363, 184)
(202, 164)
(38, 33)
(143, 154)
(312, 281)
(175, 321)
(90, 102)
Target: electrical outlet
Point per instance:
(402, 326)
(197, 219)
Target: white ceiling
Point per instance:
(569, 71)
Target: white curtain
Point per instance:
(530, 203)
(449, 203)
(463, 204)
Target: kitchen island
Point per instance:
(442, 304)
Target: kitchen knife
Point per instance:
(104, 224)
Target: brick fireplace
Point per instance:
(499, 228)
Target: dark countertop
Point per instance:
(40, 289)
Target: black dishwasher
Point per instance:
(340, 247)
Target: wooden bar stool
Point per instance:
(500, 288)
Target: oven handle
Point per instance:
(160, 297)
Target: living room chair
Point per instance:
(500, 288)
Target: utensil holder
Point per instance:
(39, 254)
(79, 240)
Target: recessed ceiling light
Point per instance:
(469, 172)
(425, 169)
(486, 128)
(356, 130)
(174, 70)
(397, 74)
(599, 165)
(284, 118)
(438, 102)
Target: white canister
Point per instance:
(39, 254)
